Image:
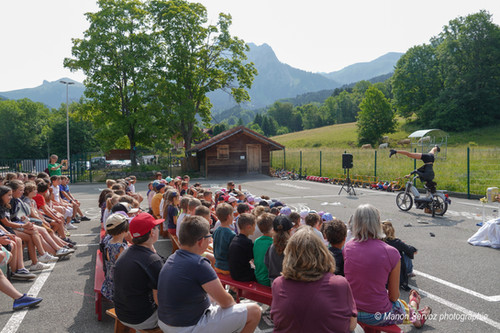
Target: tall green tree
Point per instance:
(376, 117)
(115, 54)
(193, 58)
(24, 129)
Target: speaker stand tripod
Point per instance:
(347, 186)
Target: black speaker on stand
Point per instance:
(347, 165)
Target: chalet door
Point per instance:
(253, 159)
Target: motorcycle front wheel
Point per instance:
(404, 201)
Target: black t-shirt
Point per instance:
(339, 260)
(5, 213)
(427, 158)
(136, 275)
(239, 256)
(181, 297)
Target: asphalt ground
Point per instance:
(459, 281)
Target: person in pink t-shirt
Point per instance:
(308, 297)
(370, 264)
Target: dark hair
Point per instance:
(265, 222)
(102, 196)
(3, 191)
(336, 232)
(206, 203)
(295, 217)
(312, 218)
(121, 228)
(202, 211)
(117, 186)
(127, 199)
(142, 239)
(53, 178)
(275, 210)
(246, 219)
(42, 175)
(242, 208)
(119, 192)
(42, 187)
(281, 236)
(192, 229)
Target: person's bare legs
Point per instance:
(7, 288)
(254, 313)
(31, 246)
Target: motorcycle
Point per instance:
(432, 203)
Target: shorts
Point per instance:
(150, 323)
(400, 313)
(221, 271)
(214, 320)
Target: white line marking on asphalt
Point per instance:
(462, 289)
(17, 318)
(472, 314)
(96, 244)
(83, 235)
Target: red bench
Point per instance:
(377, 329)
(251, 290)
(98, 281)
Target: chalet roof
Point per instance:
(273, 145)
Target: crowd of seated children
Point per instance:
(405, 251)
(240, 251)
(235, 249)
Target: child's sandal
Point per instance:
(423, 315)
(415, 297)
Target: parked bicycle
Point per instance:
(432, 203)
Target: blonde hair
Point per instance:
(366, 223)
(111, 201)
(306, 257)
(388, 230)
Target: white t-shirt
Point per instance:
(179, 221)
(57, 194)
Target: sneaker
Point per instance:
(85, 218)
(75, 220)
(438, 149)
(23, 274)
(392, 152)
(70, 250)
(70, 226)
(47, 257)
(25, 301)
(39, 266)
(69, 241)
(62, 252)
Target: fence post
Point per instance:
(300, 169)
(468, 172)
(320, 156)
(271, 159)
(375, 171)
(89, 159)
(415, 167)
(284, 159)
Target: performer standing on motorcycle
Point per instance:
(426, 171)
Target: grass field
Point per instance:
(321, 151)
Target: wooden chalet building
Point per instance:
(236, 152)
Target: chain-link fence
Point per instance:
(466, 170)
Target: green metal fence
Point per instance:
(466, 170)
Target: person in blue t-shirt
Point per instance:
(223, 236)
(187, 280)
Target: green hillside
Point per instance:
(344, 136)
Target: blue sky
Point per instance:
(313, 35)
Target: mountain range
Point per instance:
(275, 81)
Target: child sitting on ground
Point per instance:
(241, 250)
(223, 236)
(405, 251)
(335, 233)
(260, 247)
(117, 228)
